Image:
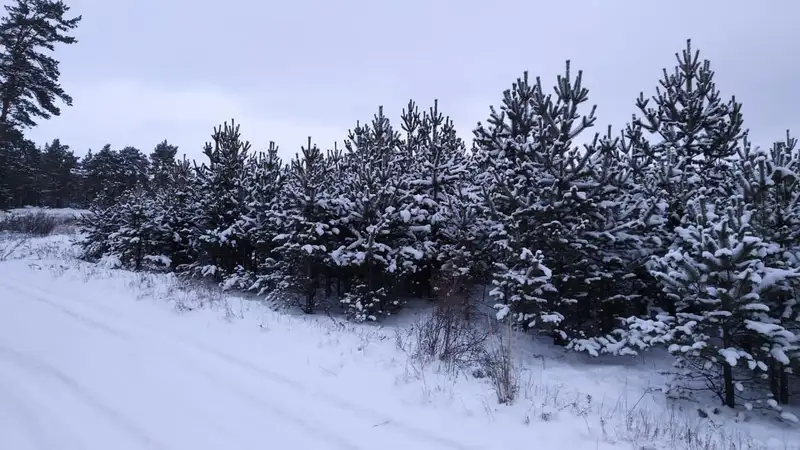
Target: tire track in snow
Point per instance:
(115, 417)
(25, 418)
(372, 415)
(253, 399)
(45, 428)
(78, 317)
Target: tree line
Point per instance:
(53, 177)
(674, 231)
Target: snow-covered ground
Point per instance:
(94, 358)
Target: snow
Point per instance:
(731, 356)
(789, 417)
(95, 358)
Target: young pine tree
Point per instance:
(267, 174)
(688, 136)
(142, 238)
(681, 146)
(368, 217)
(177, 192)
(161, 164)
(304, 241)
(770, 183)
(219, 244)
(437, 161)
(553, 205)
(104, 176)
(717, 278)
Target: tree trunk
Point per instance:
(775, 379)
(784, 391)
(727, 371)
(730, 394)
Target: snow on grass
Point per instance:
(56, 212)
(149, 361)
(34, 221)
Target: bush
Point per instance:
(34, 224)
(9, 245)
(502, 369)
(445, 335)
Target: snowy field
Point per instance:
(94, 358)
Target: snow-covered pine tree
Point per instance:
(693, 134)
(305, 236)
(162, 163)
(506, 177)
(104, 175)
(175, 188)
(135, 168)
(131, 233)
(220, 247)
(463, 238)
(261, 221)
(436, 161)
(337, 277)
(141, 240)
(770, 182)
(551, 199)
(680, 147)
(614, 245)
(505, 152)
(96, 226)
(717, 278)
(368, 205)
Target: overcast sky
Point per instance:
(146, 70)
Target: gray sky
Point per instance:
(145, 70)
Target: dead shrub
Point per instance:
(447, 334)
(501, 368)
(33, 224)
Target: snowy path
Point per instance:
(76, 374)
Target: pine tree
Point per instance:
(142, 238)
(770, 183)
(178, 194)
(222, 197)
(717, 279)
(97, 225)
(368, 213)
(463, 237)
(162, 163)
(29, 78)
(436, 160)
(550, 197)
(680, 148)
(104, 175)
(696, 134)
(59, 184)
(20, 174)
(304, 239)
(135, 168)
(258, 270)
